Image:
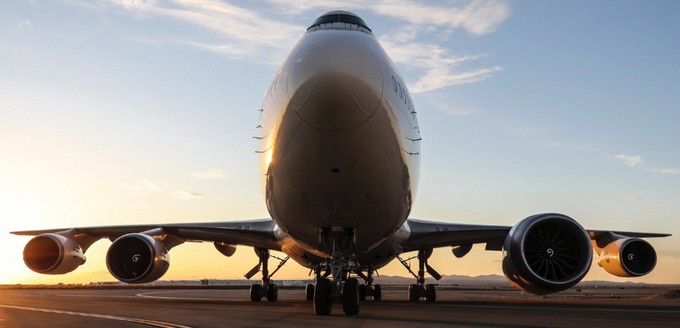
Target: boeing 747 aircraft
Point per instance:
(340, 148)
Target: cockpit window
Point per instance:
(340, 18)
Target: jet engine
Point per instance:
(137, 258)
(53, 254)
(628, 257)
(546, 253)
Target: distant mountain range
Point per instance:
(452, 280)
(487, 280)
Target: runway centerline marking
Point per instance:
(152, 323)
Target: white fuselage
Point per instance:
(340, 147)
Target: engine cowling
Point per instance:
(53, 254)
(629, 257)
(137, 258)
(546, 253)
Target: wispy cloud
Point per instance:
(146, 186)
(631, 161)
(186, 194)
(477, 17)
(151, 186)
(239, 32)
(667, 171)
(210, 174)
(235, 31)
(636, 161)
(20, 24)
(456, 112)
(434, 66)
(635, 198)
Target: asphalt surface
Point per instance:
(636, 307)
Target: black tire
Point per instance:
(377, 293)
(431, 293)
(362, 292)
(413, 293)
(350, 297)
(272, 293)
(255, 292)
(309, 292)
(323, 300)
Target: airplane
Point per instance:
(340, 154)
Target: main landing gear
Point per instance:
(267, 288)
(420, 289)
(368, 289)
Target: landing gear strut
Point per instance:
(420, 289)
(340, 286)
(267, 288)
(368, 289)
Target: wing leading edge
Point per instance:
(259, 233)
(431, 234)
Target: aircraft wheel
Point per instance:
(272, 293)
(413, 293)
(255, 292)
(377, 293)
(323, 300)
(431, 293)
(350, 297)
(362, 292)
(309, 292)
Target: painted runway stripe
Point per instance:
(154, 295)
(152, 323)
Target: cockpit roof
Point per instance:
(341, 16)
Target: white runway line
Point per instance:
(154, 295)
(152, 323)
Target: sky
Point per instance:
(133, 111)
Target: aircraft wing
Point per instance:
(431, 234)
(256, 233)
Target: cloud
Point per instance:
(476, 17)
(631, 161)
(146, 186)
(635, 161)
(21, 24)
(436, 66)
(235, 31)
(210, 174)
(635, 198)
(186, 194)
(456, 112)
(151, 186)
(667, 171)
(238, 32)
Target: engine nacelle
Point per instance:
(137, 258)
(53, 254)
(629, 257)
(546, 253)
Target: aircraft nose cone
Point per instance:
(337, 83)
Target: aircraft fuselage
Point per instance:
(340, 143)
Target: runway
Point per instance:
(634, 307)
